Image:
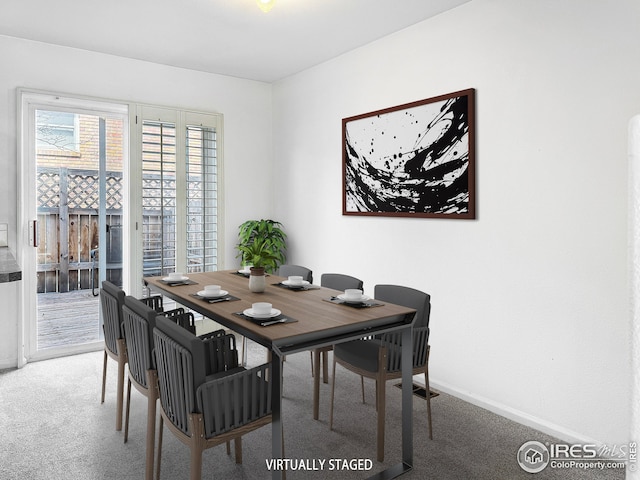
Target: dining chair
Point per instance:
(207, 399)
(289, 270)
(335, 281)
(182, 318)
(115, 346)
(139, 320)
(379, 357)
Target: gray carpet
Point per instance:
(54, 427)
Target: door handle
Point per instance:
(33, 233)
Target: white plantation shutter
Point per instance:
(180, 191)
(202, 199)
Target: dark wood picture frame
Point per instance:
(412, 160)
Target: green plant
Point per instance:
(262, 243)
(259, 254)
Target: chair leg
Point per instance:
(333, 391)
(376, 395)
(426, 382)
(196, 463)
(151, 430)
(158, 459)
(238, 449)
(325, 367)
(104, 375)
(196, 445)
(244, 351)
(126, 415)
(122, 361)
(312, 370)
(362, 387)
(428, 387)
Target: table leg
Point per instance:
(276, 413)
(407, 397)
(407, 413)
(316, 383)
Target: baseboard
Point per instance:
(8, 365)
(564, 434)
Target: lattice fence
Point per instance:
(68, 206)
(82, 189)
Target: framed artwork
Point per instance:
(416, 159)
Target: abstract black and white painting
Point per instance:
(416, 159)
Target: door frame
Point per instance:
(28, 101)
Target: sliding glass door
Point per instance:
(73, 203)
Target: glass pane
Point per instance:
(70, 148)
(158, 198)
(202, 211)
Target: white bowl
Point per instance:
(261, 308)
(212, 289)
(351, 294)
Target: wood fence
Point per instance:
(68, 233)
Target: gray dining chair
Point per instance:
(335, 281)
(115, 346)
(379, 357)
(206, 398)
(289, 270)
(139, 322)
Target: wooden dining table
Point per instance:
(315, 318)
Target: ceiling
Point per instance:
(228, 37)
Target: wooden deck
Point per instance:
(73, 318)
(68, 319)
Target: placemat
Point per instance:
(266, 322)
(366, 304)
(297, 288)
(178, 283)
(225, 298)
(245, 275)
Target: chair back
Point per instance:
(111, 302)
(221, 352)
(419, 301)
(288, 270)
(184, 319)
(154, 301)
(181, 369)
(339, 281)
(407, 297)
(139, 320)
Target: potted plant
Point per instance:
(262, 245)
(273, 236)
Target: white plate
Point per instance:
(274, 313)
(169, 279)
(204, 294)
(363, 298)
(245, 272)
(289, 284)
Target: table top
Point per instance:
(318, 321)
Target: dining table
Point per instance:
(310, 317)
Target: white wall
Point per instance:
(246, 106)
(531, 300)
(530, 312)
